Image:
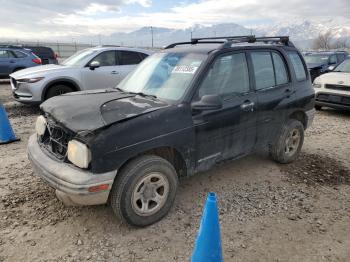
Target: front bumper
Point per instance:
(333, 99)
(71, 183)
(28, 93)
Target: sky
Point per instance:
(50, 19)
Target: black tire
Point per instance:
(126, 185)
(282, 153)
(317, 107)
(57, 90)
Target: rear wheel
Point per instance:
(57, 90)
(289, 142)
(317, 107)
(144, 191)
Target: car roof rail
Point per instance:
(193, 42)
(227, 41)
(11, 46)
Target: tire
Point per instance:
(57, 90)
(317, 107)
(129, 190)
(291, 130)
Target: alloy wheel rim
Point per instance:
(150, 194)
(292, 142)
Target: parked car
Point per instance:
(182, 110)
(333, 89)
(99, 67)
(15, 58)
(322, 62)
(46, 54)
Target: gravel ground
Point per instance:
(268, 212)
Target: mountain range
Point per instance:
(302, 32)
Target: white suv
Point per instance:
(93, 68)
(333, 89)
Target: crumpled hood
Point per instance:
(37, 70)
(91, 110)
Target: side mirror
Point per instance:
(94, 64)
(208, 102)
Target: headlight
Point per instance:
(30, 80)
(40, 125)
(79, 154)
(317, 83)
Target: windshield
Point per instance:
(316, 59)
(164, 75)
(78, 59)
(343, 67)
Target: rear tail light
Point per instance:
(37, 61)
(56, 56)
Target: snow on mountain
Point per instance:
(300, 31)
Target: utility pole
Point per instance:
(152, 35)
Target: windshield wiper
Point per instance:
(119, 89)
(136, 93)
(146, 95)
(141, 94)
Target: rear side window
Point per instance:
(263, 70)
(129, 58)
(106, 58)
(298, 65)
(280, 69)
(19, 54)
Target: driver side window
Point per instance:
(107, 58)
(228, 76)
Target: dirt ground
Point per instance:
(268, 212)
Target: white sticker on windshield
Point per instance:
(183, 69)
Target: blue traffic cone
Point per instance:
(6, 132)
(208, 243)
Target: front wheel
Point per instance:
(289, 143)
(317, 107)
(57, 90)
(144, 191)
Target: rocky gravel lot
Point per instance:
(268, 212)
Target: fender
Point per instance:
(59, 80)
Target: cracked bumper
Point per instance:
(71, 183)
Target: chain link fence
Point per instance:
(63, 50)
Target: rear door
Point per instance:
(274, 92)
(7, 62)
(230, 131)
(127, 61)
(105, 76)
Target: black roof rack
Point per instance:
(227, 41)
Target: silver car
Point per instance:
(93, 68)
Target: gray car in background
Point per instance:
(94, 68)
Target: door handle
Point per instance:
(114, 73)
(248, 106)
(11, 61)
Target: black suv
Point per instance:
(184, 109)
(321, 62)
